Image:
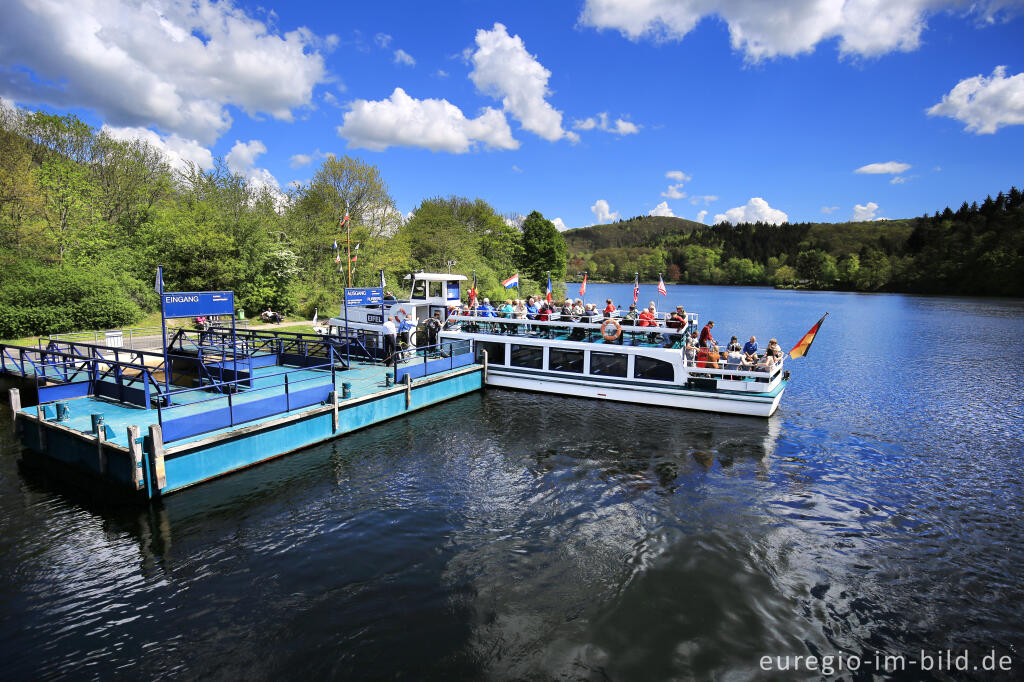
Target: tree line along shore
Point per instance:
(86, 218)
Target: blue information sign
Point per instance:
(198, 303)
(374, 296)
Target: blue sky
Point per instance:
(703, 109)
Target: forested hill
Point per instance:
(636, 231)
(977, 249)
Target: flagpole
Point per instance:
(348, 245)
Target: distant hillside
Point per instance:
(637, 231)
(974, 250)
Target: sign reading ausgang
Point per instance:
(198, 303)
(374, 296)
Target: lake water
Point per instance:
(516, 535)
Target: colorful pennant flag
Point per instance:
(583, 287)
(549, 288)
(804, 344)
(472, 292)
(636, 289)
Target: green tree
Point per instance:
(817, 266)
(543, 249)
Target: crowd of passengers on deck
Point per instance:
(699, 349)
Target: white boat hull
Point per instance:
(754, 405)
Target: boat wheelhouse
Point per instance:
(429, 293)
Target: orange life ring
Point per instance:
(613, 335)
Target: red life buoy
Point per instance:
(610, 335)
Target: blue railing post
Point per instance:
(287, 398)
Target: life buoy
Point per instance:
(610, 335)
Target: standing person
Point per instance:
(433, 326)
(706, 339)
(404, 333)
(609, 308)
(390, 341)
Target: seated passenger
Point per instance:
(577, 309)
(531, 308)
(677, 320)
(632, 316)
(590, 314)
(566, 311)
(486, 309)
(647, 317)
(750, 348)
(774, 350)
(519, 309)
(609, 308)
(734, 345)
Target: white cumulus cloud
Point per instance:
(180, 152)
(242, 160)
(559, 224)
(678, 176)
(985, 104)
(865, 212)
(887, 168)
(663, 210)
(768, 28)
(403, 57)
(756, 210)
(601, 122)
(503, 69)
(603, 212)
(173, 64)
(828, 210)
(435, 124)
(705, 198)
(701, 215)
(674, 192)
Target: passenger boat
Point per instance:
(580, 358)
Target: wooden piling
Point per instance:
(156, 439)
(408, 390)
(15, 397)
(135, 456)
(101, 456)
(334, 417)
(484, 353)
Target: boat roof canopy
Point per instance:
(435, 277)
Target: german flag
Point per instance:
(804, 344)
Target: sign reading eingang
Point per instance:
(198, 303)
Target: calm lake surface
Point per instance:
(516, 535)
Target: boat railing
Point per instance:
(546, 328)
(434, 359)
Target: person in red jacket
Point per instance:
(609, 308)
(706, 340)
(647, 318)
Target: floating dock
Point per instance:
(151, 423)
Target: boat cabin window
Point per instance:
(435, 289)
(419, 289)
(531, 357)
(563, 360)
(495, 352)
(609, 364)
(453, 291)
(649, 368)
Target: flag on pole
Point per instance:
(549, 288)
(382, 283)
(335, 244)
(159, 283)
(357, 246)
(512, 281)
(355, 257)
(661, 286)
(337, 259)
(472, 292)
(636, 288)
(316, 314)
(583, 287)
(804, 344)
(344, 220)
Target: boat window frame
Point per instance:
(636, 362)
(422, 295)
(512, 347)
(582, 360)
(482, 345)
(626, 373)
